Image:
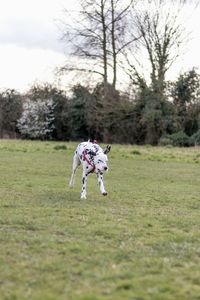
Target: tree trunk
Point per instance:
(104, 44)
(114, 53)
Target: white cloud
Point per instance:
(30, 24)
(29, 42)
(22, 66)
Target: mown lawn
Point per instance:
(142, 241)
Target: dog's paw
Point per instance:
(83, 197)
(104, 193)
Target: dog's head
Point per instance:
(101, 160)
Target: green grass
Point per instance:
(142, 241)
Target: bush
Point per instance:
(179, 139)
(37, 119)
(195, 138)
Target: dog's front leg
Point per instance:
(84, 183)
(101, 184)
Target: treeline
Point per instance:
(107, 38)
(46, 112)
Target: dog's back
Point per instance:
(89, 147)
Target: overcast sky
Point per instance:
(30, 46)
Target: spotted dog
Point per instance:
(94, 160)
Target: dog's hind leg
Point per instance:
(76, 163)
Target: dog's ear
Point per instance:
(107, 150)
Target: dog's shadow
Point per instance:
(74, 197)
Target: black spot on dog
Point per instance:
(83, 180)
(96, 148)
(91, 153)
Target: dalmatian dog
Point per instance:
(94, 160)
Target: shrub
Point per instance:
(37, 119)
(195, 138)
(180, 139)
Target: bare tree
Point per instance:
(87, 34)
(119, 31)
(99, 34)
(162, 36)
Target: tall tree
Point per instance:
(100, 34)
(186, 98)
(120, 13)
(162, 35)
(87, 34)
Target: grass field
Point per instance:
(142, 241)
